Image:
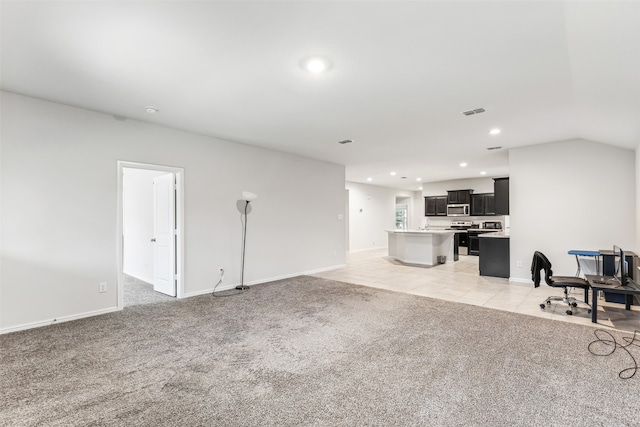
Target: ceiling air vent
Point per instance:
(472, 112)
(494, 148)
(345, 141)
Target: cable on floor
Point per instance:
(606, 345)
(227, 295)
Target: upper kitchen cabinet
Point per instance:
(483, 204)
(501, 191)
(490, 204)
(459, 197)
(435, 206)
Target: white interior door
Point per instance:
(164, 232)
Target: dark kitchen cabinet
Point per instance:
(477, 205)
(474, 240)
(463, 238)
(429, 206)
(489, 204)
(494, 257)
(501, 191)
(435, 206)
(459, 197)
(441, 206)
(483, 204)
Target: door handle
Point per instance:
(153, 240)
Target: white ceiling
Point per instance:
(402, 73)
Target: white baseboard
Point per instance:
(62, 319)
(368, 249)
(267, 280)
(222, 287)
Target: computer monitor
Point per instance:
(621, 271)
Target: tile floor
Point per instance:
(460, 282)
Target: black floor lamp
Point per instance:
(247, 197)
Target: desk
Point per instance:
(579, 253)
(631, 289)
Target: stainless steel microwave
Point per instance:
(458, 210)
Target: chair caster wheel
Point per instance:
(548, 302)
(569, 312)
(589, 311)
(574, 304)
(542, 306)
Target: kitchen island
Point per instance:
(421, 247)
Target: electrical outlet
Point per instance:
(103, 287)
(519, 264)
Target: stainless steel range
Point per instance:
(462, 237)
(460, 225)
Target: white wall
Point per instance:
(478, 185)
(138, 222)
(58, 174)
(372, 211)
(569, 195)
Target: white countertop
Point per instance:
(503, 234)
(466, 230)
(422, 231)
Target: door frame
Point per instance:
(179, 256)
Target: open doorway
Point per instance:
(150, 225)
(402, 212)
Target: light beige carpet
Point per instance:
(309, 351)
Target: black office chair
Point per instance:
(540, 262)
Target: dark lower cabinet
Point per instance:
(494, 256)
(463, 238)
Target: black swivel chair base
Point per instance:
(570, 301)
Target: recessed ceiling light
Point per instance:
(494, 131)
(316, 64)
(392, 174)
(463, 165)
(151, 110)
(419, 188)
(369, 179)
(483, 173)
(418, 179)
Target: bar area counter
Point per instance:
(421, 247)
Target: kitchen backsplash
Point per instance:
(445, 222)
